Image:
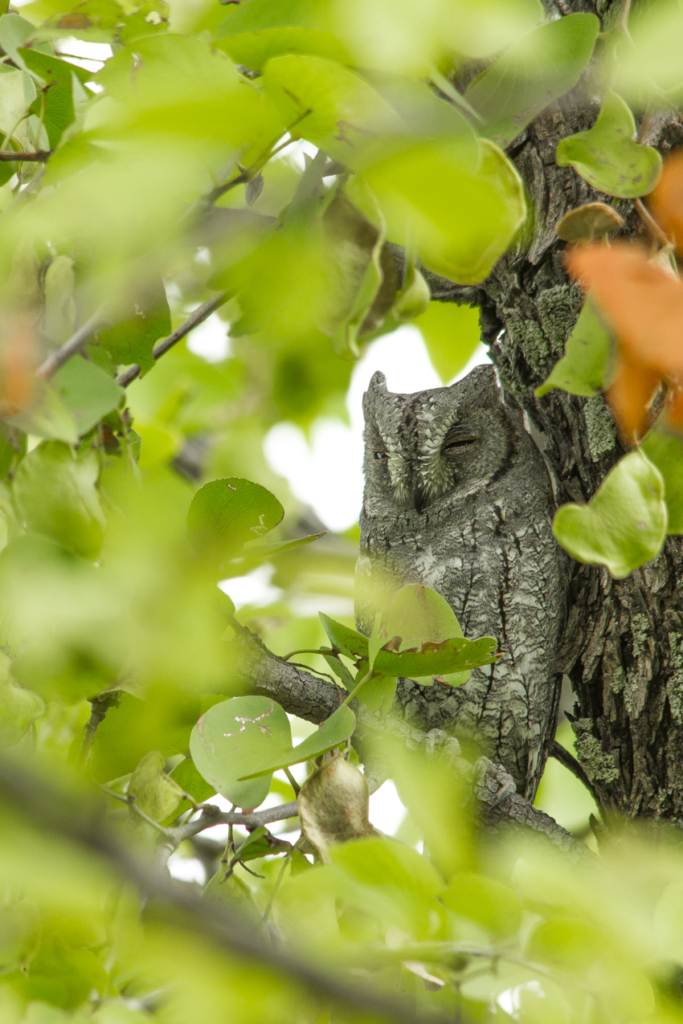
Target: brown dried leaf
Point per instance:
(666, 201)
(334, 805)
(588, 222)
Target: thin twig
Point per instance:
(562, 755)
(79, 821)
(99, 707)
(292, 781)
(211, 816)
(40, 156)
(199, 315)
(652, 224)
(75, 343)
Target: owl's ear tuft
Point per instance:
(378, 382)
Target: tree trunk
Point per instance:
(624, 643)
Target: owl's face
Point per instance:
(422, 449)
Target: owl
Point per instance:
(457, 497)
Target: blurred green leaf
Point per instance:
(624, 524)
(234, 738)
(331, 106)
(189, 780)
(19, 707)
(228, 888)
(585, 366)
(332, 733)
(254, 33)
(46, 415)
(225, 514)
(56, 495)
(132, 339)
(608, 156)
(487, 901)
(156, 793)
(19, 934)
(665, 451)
(460, 210)
(414, 297)
(87, 392)
(451, 334)
(537, 69)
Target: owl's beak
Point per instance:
(420, 497)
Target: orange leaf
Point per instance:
(674, 414)
(630, 394)
(17, 363)
(642, 302)
(666, 201)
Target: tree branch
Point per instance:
(199, 315)
(211, 816)
(571, 764)
(40, 156)
(303, 694)
(75, 343)
(83, 822)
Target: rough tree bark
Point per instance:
(623, 650)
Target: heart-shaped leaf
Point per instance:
(334, 805)
(585, 366)
(607, 155)
(332, 733)
(624, 524)
(235, 739)
(665, 451)
(345, 640)
(534, 71)
(225, 514)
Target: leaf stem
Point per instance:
(366, 678)
(292, 781)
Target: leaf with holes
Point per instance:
(332, 733)
(225, 514)
(233, 740)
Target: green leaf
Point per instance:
(441, 659)
(665, 451)
(608, 157)
(340, 670)
(14, 32)
(229, 889)
(155, 792)
(17, 92)
(57, 91)
(537, 69)
(459, 210)
(225, 514)
(55, 495)
(331, 106)
(190, 781)
(345, 640)
(47, 416)
(261, 29)
(377, 695)
(20, 934)
(332, 733)
(19, 707)
(59, 283)
(451, 334)
(624, 524)
(414, 297)
(382, 862)
(490, 903)
(585, 366)
(87, 392)
(141, 324)
(233, 740)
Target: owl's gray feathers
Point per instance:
(457, 497)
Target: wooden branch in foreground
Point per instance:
(83, 822)
(40, 156)
(309, 697)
